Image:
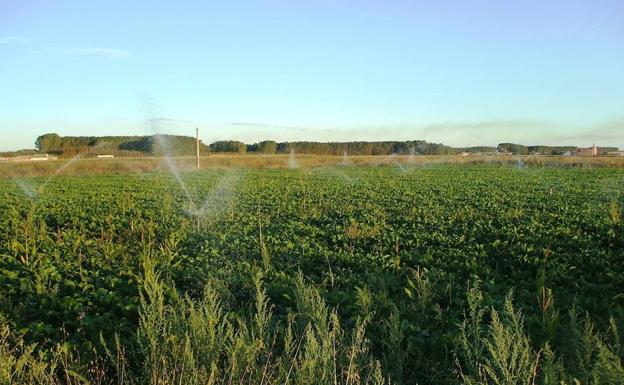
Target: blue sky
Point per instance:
(457, 72)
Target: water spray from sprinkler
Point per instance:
(384, 160)
(292, 162)
(217, 198)
(58, 171)
(26, 188)
(333, 170)
(150, 109)
(32, 192)
(345, 158)
(412, 156)
(521, 165)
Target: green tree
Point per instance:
(516, 149)
(267, 147)
(228, 146)
(48, 142)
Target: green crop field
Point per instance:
(442, 274)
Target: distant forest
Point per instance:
(157, 145)
(118, 145)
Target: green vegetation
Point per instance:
(518, 149)
(174, 145)
(23, 152)
(264, 147)
(157, 145)
(415, 147)
(183, 145)
(482, 274)
(232, 146)
(477, 149)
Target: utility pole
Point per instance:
(197, 145)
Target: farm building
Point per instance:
(39, 157)
(589, 151)
(29, 158)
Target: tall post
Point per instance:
(197, 145)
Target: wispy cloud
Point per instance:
(265, 125)
(492, 132)
(88, 52)
(485, 125)
(164, 119)
(104, 53)
(481, 132)
(14, 40)
(607, 133)
(454, 133)
(164, 125)
(250, 124)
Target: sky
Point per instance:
(463, 73)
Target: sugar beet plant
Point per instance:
(336, 275)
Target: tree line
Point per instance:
(518, 149)
(139, 145)
(185, 145)
(417, 147)
(177, 145)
